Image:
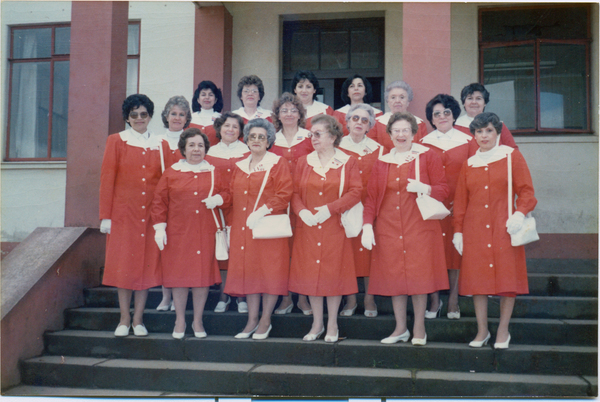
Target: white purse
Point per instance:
(271, 226)
(352, 219)
(221, 235)
(430, 207)
(528, 232)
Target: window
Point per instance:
(39, 89)
(534, 61)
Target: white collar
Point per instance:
(172, 138)
(300, 136)
(184, 166)
(315, 109)
(365, 147)
(205, 117)
(224, 151)
(464, 120)
(260, 113)
(344, 109)
(385, 118)
(138, 140)
(267, 162)
(493, 155)
(415, 149)
(446, 141)
(338, 159)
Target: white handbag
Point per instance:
(352, 219)
(221, 235)
(271, 226)
(528, 232)
(430, 207)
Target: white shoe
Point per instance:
(502, 345)
(140, 330)
(453, 315)
(165, 307)
(242, 307)
(434, 314)
(179, 335)
(313, 337)
(122, 330)
(419, 341)
(246, 335)
(478, 344)
(223, 306)
(395, 339)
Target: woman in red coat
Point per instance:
(258, 267)
(356, 89)
(207, 104)
(251, 92)
(306, 86)
(408, 258)
(188, 258)
(322, 260)
(359, 120)
(490, 264)
(130, 171)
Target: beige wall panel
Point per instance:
(465, 65)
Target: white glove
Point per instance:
(322, 214)
(368, 237)
(418, 187)
(515, 222)
(255, 216)
(160, 235)
(213, 202)
(105, 226)
(308, 218)
(457, 240)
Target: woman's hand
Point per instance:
(418, 187)
(368, 237)
(322, 214)
(308, 218)
(255, 216)
(105, 226)
(515, 222)
(213, 202)
(160, 235)
(457, 240)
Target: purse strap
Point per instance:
(162, 157)
(262, 187)
(342, 179)
(510, 201)
(418, 172)
(212, 186)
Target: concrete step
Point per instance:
(544, 284)
(292, 380)
(537, 331)
(562, 266)
(518, 359)
(568, 307)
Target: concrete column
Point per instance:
(97, 87)
(426, 52)
(213, 49)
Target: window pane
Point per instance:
(29, 110)
(563, 86)
(32, 43)
(133, 39)
(132, 76)
(334, 50)
(305, 51)
(60, 109)
(508, 76)
(62, 40)
(364, 50)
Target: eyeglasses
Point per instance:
(285, 111)
(135, 115)
(403, 131)
(363, 120)
(447, 112)
(250, 91)
(315, 134)
(259, 137)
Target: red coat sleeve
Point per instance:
(299, 172)
(222, 188)
(352, 189)
(461, 199)
(108, 175)
(160, 202)
(281, 180)
(373, 192)
(522, 184)
(437, 178)
(506, 137)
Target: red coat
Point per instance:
(490, 265)
(188, 259)
(260, 113)
(314, 110)
(301, 145)
(322, 261)
(210, 132)
(382, 137)
(506, 137)
(408, 256)
(258, 265)
(130, 171)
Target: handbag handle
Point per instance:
(262, 187)
(418, 173)
(509, 163)
(212, 186)
(342, 179)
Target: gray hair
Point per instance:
(401, 85)
(261, 123)
(182, 103)
(362, 106)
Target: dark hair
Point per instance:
(207, 85)
(447, 101)
(471, 88)
(264, 124)
(483, 119)
(368, 89)
(414, 127)
(332, 125)
(219, 121)
(251, 80)
(133, 102)
(183, 104)
(189, 133)
(306, 75)
(287, 97)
